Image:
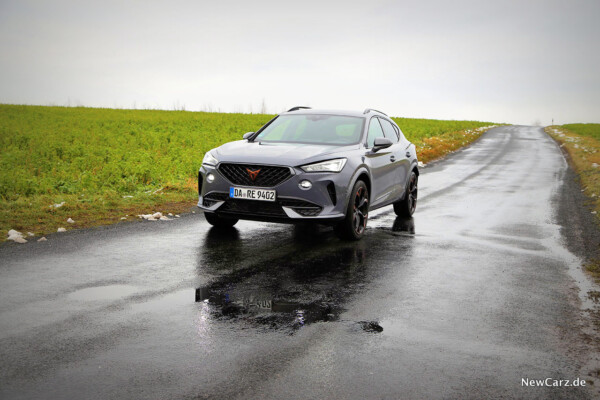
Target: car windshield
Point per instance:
(313, 128)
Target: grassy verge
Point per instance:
(107, 166)
(582, 143)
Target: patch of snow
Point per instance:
(170, 214)
(70, 221)
(594, 165)
(61, 230)
(59, 205)
(123, 217)
(42, 239)
(30, 234)
(16, 236)
(420, 164)
(127, 197)
(176, 216)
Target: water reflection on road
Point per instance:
(310, 284)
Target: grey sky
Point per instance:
(503, 61)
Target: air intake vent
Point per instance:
(331, 191)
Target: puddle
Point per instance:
(371, 326)
(109, 292)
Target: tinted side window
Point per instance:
(388, 130)
(374, 132)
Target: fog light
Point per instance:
(210, 178)
(305, 185)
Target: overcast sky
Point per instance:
(502, 61)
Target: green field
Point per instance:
(105, 163)
(591, 130)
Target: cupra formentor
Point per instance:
(307, 165)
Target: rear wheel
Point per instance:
(407, 206)
(354, 225)
(220, 222)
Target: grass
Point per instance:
(582, 143)
(106, 164)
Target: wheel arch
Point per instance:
(360, 174)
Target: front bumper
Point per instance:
(324, 202)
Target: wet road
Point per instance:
(475, 293)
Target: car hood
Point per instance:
(295, 154)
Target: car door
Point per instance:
(379, 164)
(400, 162)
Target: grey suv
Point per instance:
(305, 165)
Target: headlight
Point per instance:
(326, 166)
(209, 159)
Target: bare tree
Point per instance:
(263, 107)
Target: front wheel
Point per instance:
(407, 206)
(220, 222)
(355, 223)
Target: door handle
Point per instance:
(392, 158)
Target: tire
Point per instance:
(220, 222)
(407, 206)
(357, 213)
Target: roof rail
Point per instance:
(367, 110)
(298, 108)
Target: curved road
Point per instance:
(474, 294)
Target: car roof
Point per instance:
(347, 113)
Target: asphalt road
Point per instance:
(477, 292)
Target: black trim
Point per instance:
(298, 108)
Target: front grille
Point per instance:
(269, 176)
(262, 208)
(254, 207)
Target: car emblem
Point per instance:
(253, 174)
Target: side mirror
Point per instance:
(381, 143)
(247, 135)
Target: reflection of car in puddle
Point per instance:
(264, 310)
(404, 225)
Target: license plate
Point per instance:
(252, 194)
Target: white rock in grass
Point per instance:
(61, 230)
(42, 239)
(70, 221)
(30, 234)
